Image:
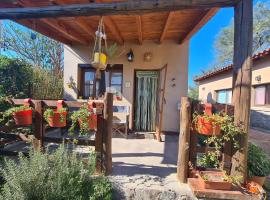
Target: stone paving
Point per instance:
(146, 169)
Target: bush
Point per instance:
(46, 84)
(16, 78)
(54, 176)
(258, 162)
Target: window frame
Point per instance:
(266, 97)
(226, 91)
(83, 68)
(83, 71)
(116, 70)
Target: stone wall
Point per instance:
(260, 118)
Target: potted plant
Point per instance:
(85, 118)
(217, 180)
(22, 115)
(210, 161)
(258, 164)
(56, 117)
(208, 124)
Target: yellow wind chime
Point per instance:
(99, 57)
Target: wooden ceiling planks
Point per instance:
(179, 26)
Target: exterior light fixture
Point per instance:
(258, 78)
(130, 56)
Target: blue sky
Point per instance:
(202, 52)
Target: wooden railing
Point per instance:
(103, 135)
(188, 138)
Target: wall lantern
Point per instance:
(130, 56)
(258, 78)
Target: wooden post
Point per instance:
(108, 116)
(184, 140)
(242, 63)
(99, 144)
(38, 126)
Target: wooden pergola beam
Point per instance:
(200, 24)
(66, 33)
(43, 30)
(112, 27)
(242, 64)
(166, 26)
(135, 7)
(81, 23)
(139, 28)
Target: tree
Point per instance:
(193, 92)
(16, 78)
(44, 55)
(34, 48)
(261, 39)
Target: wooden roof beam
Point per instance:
(111, 25)
(60, 28)
(166, 27)
(200, 24)
(139, 28)
(67, 33)
(116, 8)
(81, 23)
(113, 28)
(43, 30)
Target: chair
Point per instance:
(120, 120)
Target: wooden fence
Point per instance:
(103, 135)
(188, 138)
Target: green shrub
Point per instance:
(258, 161)
(55, 176)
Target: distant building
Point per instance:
(216, 86)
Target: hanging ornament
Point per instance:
(3, 42)
(33, 35)
(99, 57)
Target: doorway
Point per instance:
(146, 97)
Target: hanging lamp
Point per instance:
(99, 57)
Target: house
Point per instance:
(216, 86)
(162, 36)
(159, 42)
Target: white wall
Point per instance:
(168, 52)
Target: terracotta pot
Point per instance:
(258, 179)
(214, 184)
(207, 127)
(55, 120)
(92, 122)
(23, 118)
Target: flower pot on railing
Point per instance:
(91, 122)
(58, 119)
(23, 117)
(207, 127)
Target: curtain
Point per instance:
(146, 100)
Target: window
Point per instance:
(89, 78)
(116, 81)
(262, 95)
(90, 87)
(224, 96)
